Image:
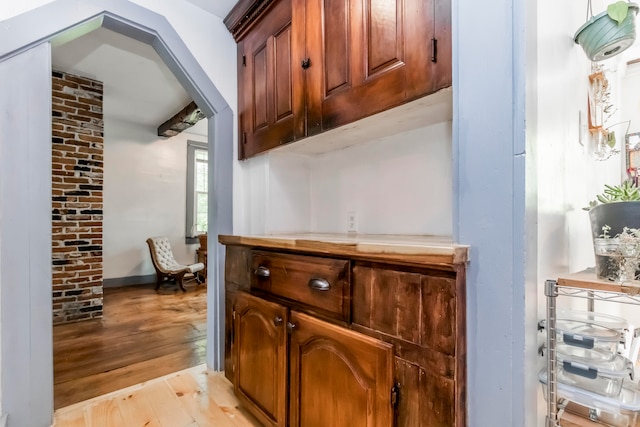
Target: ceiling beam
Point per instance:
(184, 119)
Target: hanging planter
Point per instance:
(608, 33)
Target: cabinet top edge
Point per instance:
(244, 14)
(413, 248)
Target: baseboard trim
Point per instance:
(127, 281)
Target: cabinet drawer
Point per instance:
(321, 283)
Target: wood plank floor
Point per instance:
(190, 398)
(144, 334)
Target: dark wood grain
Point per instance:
(237, 268)
(338, 377)
(439, 314)
(144, 334)
(260, 358)
(364, 57)
(419, 311)
(290, 277)
(237, 276)
(408, 377)
(422, 314)
(437, 405)
(268, 107)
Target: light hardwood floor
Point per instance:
(189, 398)
(144, 334)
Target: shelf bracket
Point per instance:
(551, 288)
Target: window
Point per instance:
(197, 190)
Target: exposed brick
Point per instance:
(77, 181)
(65, 108)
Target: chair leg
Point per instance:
(159, 279)
(180, 280)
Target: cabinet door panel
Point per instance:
(361, 70)
(259, 85)
(385, 27)
(336, 46)
(260, 357)
(282, 72)
(338, 377)
(267, 103)
(415, 307)
(425, 399)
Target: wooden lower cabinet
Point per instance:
(260, 354)
(337, 377)
(395, 358)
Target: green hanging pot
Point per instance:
(602, 37)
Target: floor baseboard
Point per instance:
(128, 281)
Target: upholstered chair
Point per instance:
(166, 265)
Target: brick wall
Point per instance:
(77, 181)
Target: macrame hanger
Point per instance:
(589, 10)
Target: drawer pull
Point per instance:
(277, 321)
(262, 272)
(291, 327)
(319, 284)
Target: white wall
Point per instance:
(144, 196)
(396, 185)
(399, 184)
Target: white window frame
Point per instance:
(192, 147)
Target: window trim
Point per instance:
(192, 146)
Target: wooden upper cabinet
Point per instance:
(358, 59)
(260, 353)
(267, 105)
(312, 65)
(338, 377)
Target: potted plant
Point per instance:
(618, 255)
(617, 209)
(608, 33)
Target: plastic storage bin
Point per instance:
(601, 377)
(619, 411)
(592, 331)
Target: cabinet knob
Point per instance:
(291, 327)
(277, 321)
(306, 63)
(319, 284)
(262, 271)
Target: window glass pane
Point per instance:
(201, 212)
(202, 155)
(197, 189)
(201, 175)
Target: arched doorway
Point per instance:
(26, 382)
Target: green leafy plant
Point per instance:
(627, 191)
(618, 11)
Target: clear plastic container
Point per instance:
(601, 319)
(592, 331)
(602, 377)
(619, 411)
(584, 355)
